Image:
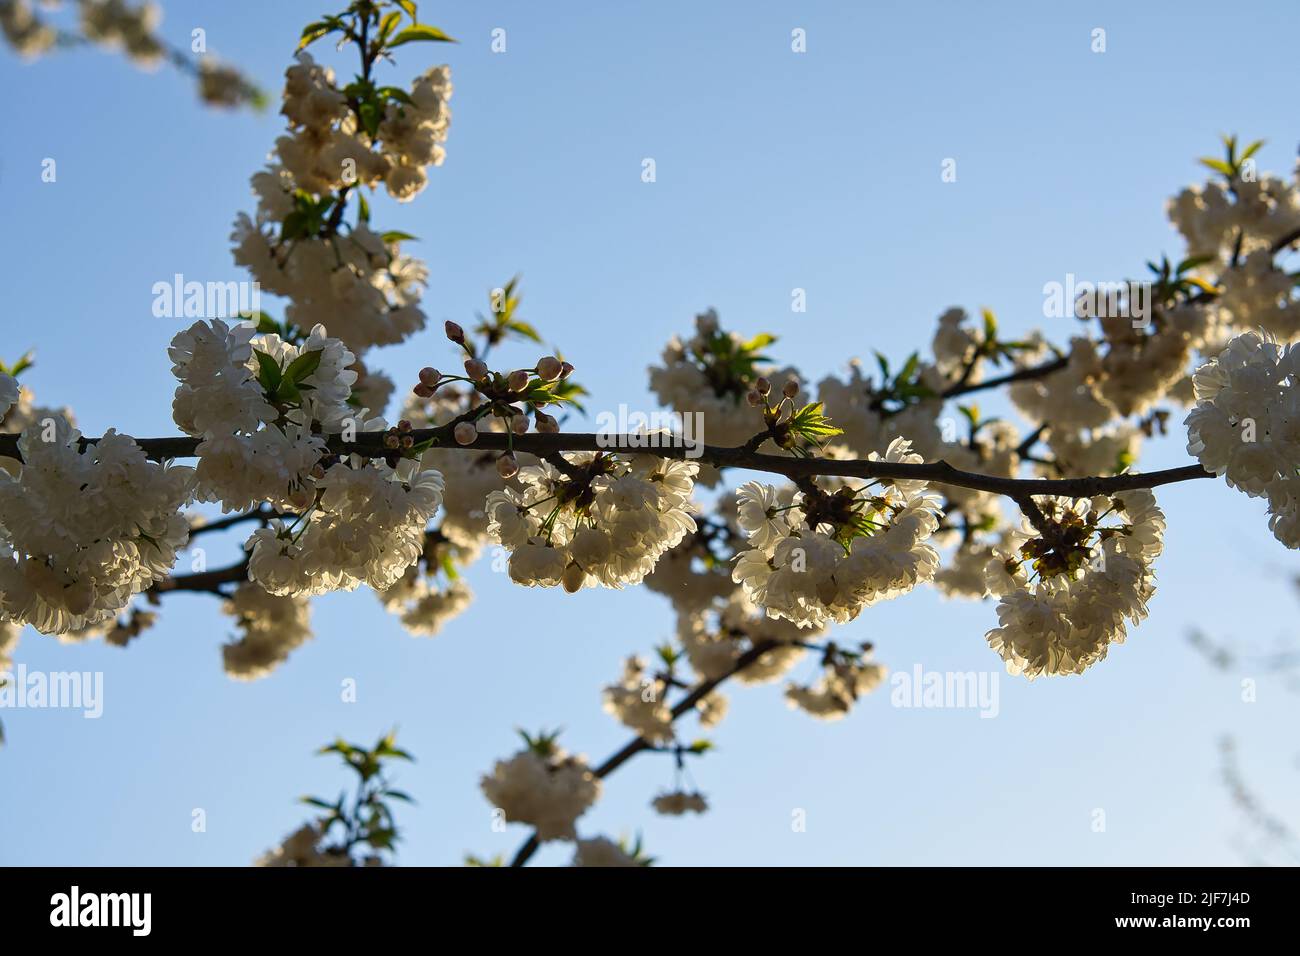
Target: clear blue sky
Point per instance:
(775, 171)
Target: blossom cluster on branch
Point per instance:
(285, 421)
(131, 28)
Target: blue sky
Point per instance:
(775, 170)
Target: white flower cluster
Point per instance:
(117, 24)
(251, 450)
(9, 393)
(838, 689)
(874, 549)
(602, 521)
(1214, 217)
(715, 640)
(81, 531)
(1246, 425)
(548, 790)
(638, 701)
(9, 634)
(421, 605)
(271, 628)
(27, 34)
(675, 803)
(358, 521)
(1091, 579)
(711, 375)
(850, 403)
(326, 150)
(220, 84)
(602, 851)
(366, 527)
(470, 476)
(302, 848)
(355, 283)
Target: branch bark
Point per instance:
(370, 444)
(638, 744)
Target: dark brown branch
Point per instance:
(638, 744)
(940, 472)
(1021, 375)
(203, 581)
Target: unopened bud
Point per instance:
(754, 398)
(301, 498)
(518, 380)
(565, 370)
(791, 388)
(546, 424)
(519, 424)
(507, 467)
(762, 386)
(430, 377)
(476, 370)
(422, 390)
(455, 332)
(465, 433)
(572, 578)
(548, 368)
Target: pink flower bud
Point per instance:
(465, 433)
(565, 370)
(455, 332)
(519, 425)
(548, 368)
(762, 386)
(547, 425)
(791, 388)
(424, 391)
(754, 398)
(518, 380)
(430, 377)
(476, 370)
(507, 467)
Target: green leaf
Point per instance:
(409, 7)
(399, 795)
(317, 802)
(364, 207)
(1202, 284)
(910, 367)
(20, 366)
(269, 374)
(313, 32)
(417, 33)
(1251, 150)
(368, 113)
(303, 366)
(263, 321)
(760, 341)
(990, 325)
(395, 235)
(387, 24)
(1192, 262)
(524, 330)
(1218, 165)
(449, 567)
(883, 362)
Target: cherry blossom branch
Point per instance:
(639, 744)
(221, 524)
(208, 582)
(1020, 375)
(371, 444)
